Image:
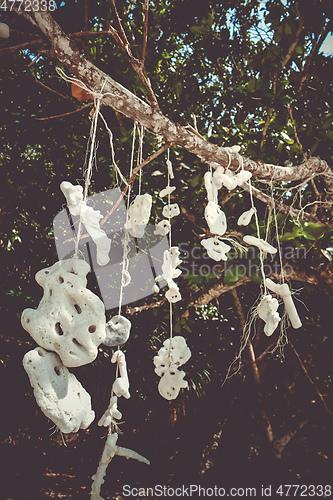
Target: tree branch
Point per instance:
(286, 209)
(267, 427)
(137, 65)
(321, 397)
(145, 33)
(123, 101)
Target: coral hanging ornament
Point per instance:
(259, 243)
(138, 215)
(110, 414)
(70, 319)
(121, 384)
(110, 450)
(117, 331)
(171, 356)
(215, 218)
(267, 311)
(216, 249)
(245, 218)
(170, 262)
(284, 291)
(90, 218)
(58, 393)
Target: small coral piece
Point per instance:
(259, 243)
(245, 218)
(90, 218)
(267, 311)
(138, 215)
(216, 249)
(284, 291)
(171, 356)
(170, 211)
(121, 384)
(215, 219)
(117, 331)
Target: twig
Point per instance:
(64, 114)
(132, 178)
(137, 64)
(57, 93)
(145, 32)
(295, 132)
(120, 26)
(32, 43)
(310, 379)
(267, 427)
(281, 207)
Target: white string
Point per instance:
(277, 234)
(261, 255)
(88, 172)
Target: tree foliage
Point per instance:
(237, 73)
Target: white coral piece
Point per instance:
(284, 291)
(70, 319)
(171, 356)
(58, 393)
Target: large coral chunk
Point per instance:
(58, 393)
(70, 319)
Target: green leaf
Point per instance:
(329, 134)
(178, 327)
(314, 147)
(233, 274)
(288, 29)
(199, 30)
(196, 179)
(251, 85)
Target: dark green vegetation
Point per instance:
(213, 60)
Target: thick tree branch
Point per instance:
(123, 101)
(267, 427)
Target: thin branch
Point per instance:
(267, 427)
(37, 41)
(120, 26)
(132, 179)
(295, 132)
(145, 32)
(310, 379)
(57, 93)
(316, 46)
(145, 307)
(293, 44)
(64, 114)
(286, 209)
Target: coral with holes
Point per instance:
(70, 319)
(171, 356)
(58, 393)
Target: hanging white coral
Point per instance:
(90, 218)
(267, 311)
(284, 292)
(171, 356)
(138, 215)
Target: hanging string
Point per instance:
(125, 275)
(140, 154)
(88, 171)
(261, 254)
(277, 234)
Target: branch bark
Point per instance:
(123, 101)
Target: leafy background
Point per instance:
(219, 61)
